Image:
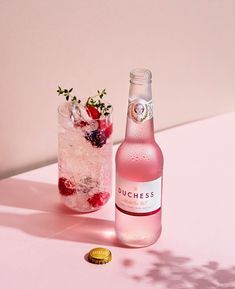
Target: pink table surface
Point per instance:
(43, 244)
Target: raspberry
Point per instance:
(98, 199)
(93, 112)
(96, 137)
(106, 127)
(66, 187)
(81, 124)
(108, 131)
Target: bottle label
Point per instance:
(138, 198)
(140, 110)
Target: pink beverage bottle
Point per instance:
(139, 165)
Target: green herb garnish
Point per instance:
(68, 95)
(91, 101)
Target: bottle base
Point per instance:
(137, 241)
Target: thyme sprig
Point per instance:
(68, 95)
(91, 101)
(99, 104)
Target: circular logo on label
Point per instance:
(139, 110)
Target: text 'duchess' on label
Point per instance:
(138, 198)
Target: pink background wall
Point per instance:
(189, 46)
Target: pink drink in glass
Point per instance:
(84, 158)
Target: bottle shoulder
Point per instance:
(142, 161)
(139, 147)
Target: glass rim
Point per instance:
(68, 102)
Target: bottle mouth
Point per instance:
(140, 76)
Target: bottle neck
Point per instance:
(143, 91)
(139, 127)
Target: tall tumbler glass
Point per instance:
(84, 158)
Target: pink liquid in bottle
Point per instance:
(139, 165)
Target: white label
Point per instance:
(140, 110)
(138, 197)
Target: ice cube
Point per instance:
(86, 185)
(89, 181)
(75, 113)
(80, 118)
(91, 126)
(84, 114)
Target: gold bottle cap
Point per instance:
(99, 256)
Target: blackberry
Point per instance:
(96, 137)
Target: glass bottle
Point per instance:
(139, 166)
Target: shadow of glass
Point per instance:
(53, 219)
(176, 272)
(31, 195)
(63, 227)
